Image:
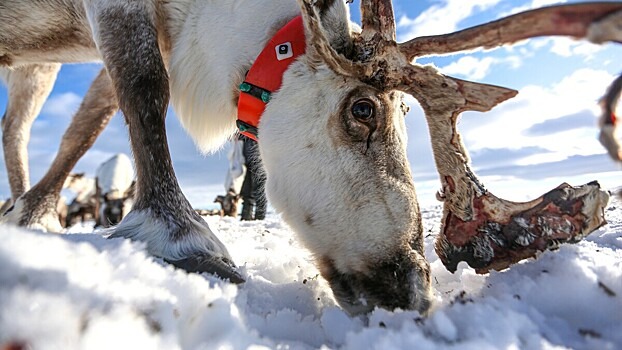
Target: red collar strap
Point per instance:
(266, 74)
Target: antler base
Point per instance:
(501, 233)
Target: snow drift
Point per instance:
(82, 291)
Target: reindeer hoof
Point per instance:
(502, 233)
(220, 266)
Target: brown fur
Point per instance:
(28, 88)
(228, 204)
(98, 106)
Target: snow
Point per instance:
(82, 291)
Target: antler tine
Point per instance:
(478, 227)
(338, 63)
(570, 20)
(439, 92)
(482, 97)
(377, 16)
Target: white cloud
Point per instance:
(62, 105)
(541, 3)
(473, 68)
(533, 5)
(469, 67)
(567, 47)
(561, 46)
(505, 126)
(445, 18)
(440, 19)
(564, 46)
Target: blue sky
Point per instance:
(548, 130)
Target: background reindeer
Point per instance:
(340, 103)
(115, 187)
(234, 179)
(228, 204)
(29, 85)
(84, 205)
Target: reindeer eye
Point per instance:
(363, 110)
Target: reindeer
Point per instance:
(228, 203)
(84, 206)
(5, 205)
(339, 101)
(114, 182)
(29, 85)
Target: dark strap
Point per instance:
(255, 91)
(245, 127)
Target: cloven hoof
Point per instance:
(218, 266)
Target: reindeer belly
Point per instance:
(44, 31)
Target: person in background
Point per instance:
(609, 119)
(253, 191)
(233, 179)
(235, 173)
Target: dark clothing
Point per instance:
(253, 192)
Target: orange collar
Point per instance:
(266, 74)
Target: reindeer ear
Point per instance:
(329, 36)
(335, 19)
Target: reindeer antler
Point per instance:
(478, 227)
(377, 17)
(569, 20)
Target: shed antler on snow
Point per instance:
(485, 231)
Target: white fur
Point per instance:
(115, 176)
(210, 68)
(141, 225)
(48, 222)
(350, 238)
(84, 188)
(212, 48)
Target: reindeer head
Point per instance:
(112, 211)
(228, 203)
(333, 141)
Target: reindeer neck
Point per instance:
(266, 74)
(209, 60)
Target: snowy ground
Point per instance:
(81, 291)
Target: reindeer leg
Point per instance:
(477, 227)
(37, 207)
(29, 87)
(161, 216)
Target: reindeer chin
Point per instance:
(401, 282)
